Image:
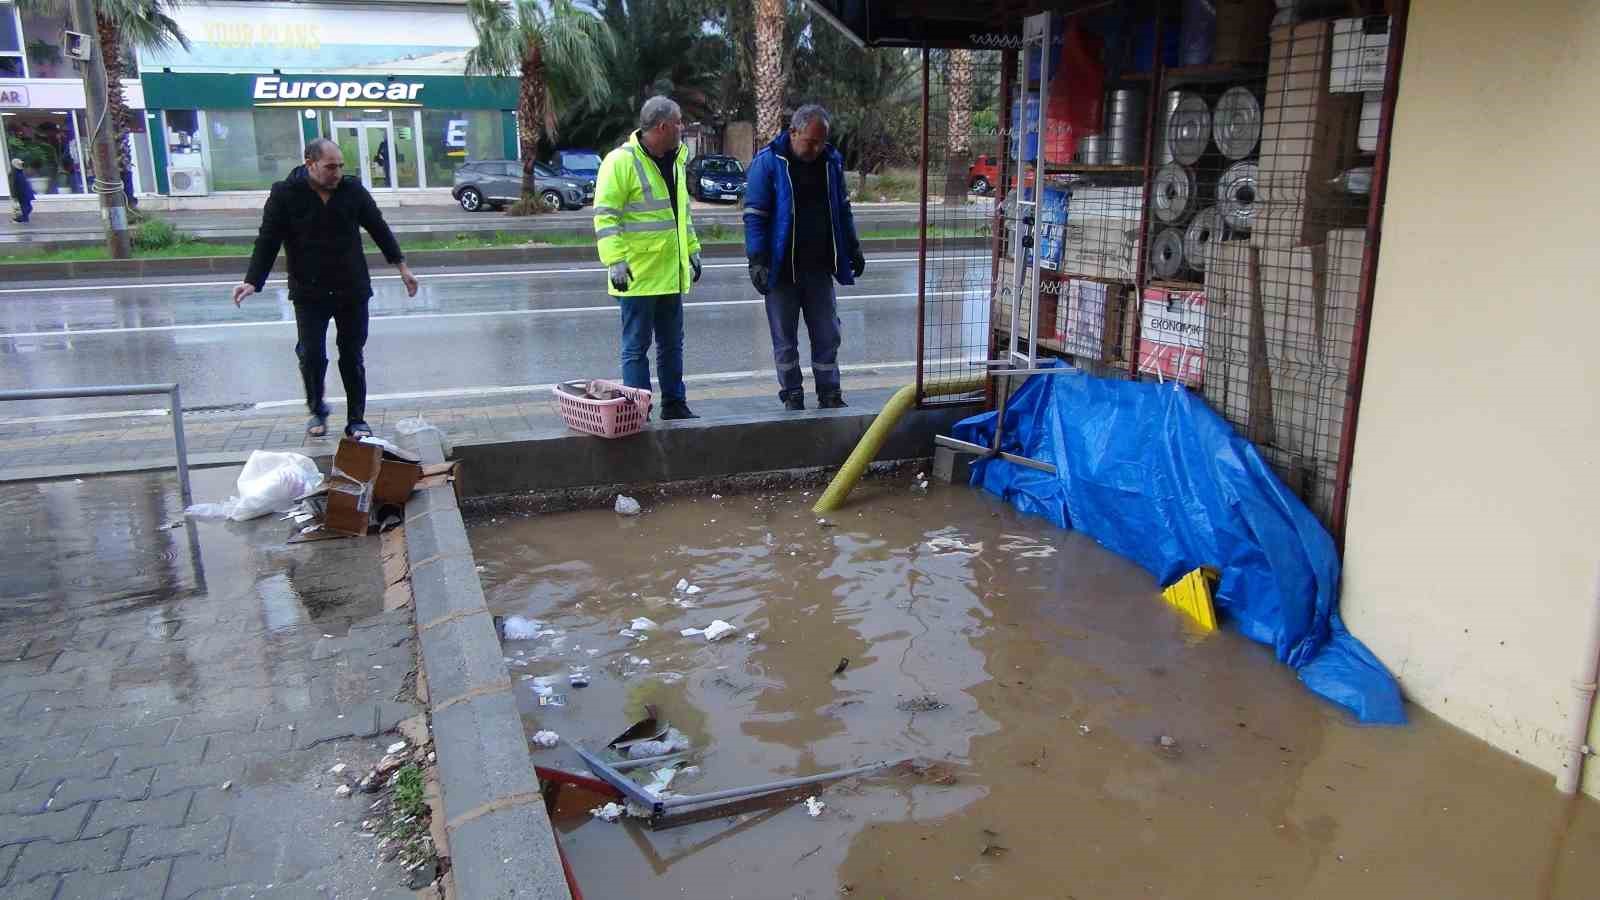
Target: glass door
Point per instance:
(367, 151)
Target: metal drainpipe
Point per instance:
(1570, 776)
(1369, 275)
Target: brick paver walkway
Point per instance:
(172, 699)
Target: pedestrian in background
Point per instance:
(21, 192)
(316, 216)
(800, 237)
(648, 246)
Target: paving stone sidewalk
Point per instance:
(172, 699)
(91, 446)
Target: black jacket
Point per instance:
(322, 240)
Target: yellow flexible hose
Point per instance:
(867, 449)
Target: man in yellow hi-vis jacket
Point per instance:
(649, 248)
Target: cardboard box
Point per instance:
(1172, 334)
(1360, 55)
(1093, 320)
(349, 506)
(357, 460)
(1308, 137)
(1239, 382)
(1242, 27)
(396, 479)
(1101, 247)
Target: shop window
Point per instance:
(454, 137)
(47, 144)
(41, 39)
(10, 42)
(252, 148)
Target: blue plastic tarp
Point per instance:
(1152, 474)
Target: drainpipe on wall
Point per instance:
(1577, 748)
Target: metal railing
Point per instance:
(126, 390)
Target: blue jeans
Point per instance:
(813, 297)
(660, 317)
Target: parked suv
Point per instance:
(716, 177)
(579, 164)
(495, 183)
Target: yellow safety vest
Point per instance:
(634, 221)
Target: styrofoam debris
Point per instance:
(627, 506)
(814, 807)
(691, 632)
(337, 769)
(628, 633)
(662, 780)
(642, 624)
(718, 630)
(608, 813)
(397, 747)
(519, 628)
(751, 637)
(342, 791)
(672, 742)
(546, 739)
(693, 589)
(683, 585)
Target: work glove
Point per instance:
(858, 263)
(760, 273)
(694, 263)
(621, 275)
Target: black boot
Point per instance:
(676, 409)
(793, 401)
(833, 400)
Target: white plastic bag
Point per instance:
(406, 427)
(270, 482)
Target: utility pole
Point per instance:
(102, 135)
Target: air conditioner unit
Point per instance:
(187, 181)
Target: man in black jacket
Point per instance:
(316, 216)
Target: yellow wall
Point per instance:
(1474, 529)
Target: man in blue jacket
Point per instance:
(21, 191)
(800, 237)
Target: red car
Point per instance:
(983, 174)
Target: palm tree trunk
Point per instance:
(960, 137)
(769, 69)
(116, 102)
(530, 122)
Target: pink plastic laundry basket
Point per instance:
(614, 418)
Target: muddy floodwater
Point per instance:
(1032, 674)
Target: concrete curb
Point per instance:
(501, 840)
(692, 450)
(233, 266)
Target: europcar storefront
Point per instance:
(215, 133)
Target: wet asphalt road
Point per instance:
(465, 330)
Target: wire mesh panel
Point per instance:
(1204, 185)
(964, 164)
(1280, 147)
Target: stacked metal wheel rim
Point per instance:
(1236, 123)
(1203, 232)
(1166, 253)
(1174, 193)
(1189, 129)
(1236, 195)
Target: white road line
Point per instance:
(424, 277)
(476, 391)
(479, 314)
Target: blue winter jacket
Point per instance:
(769, 210)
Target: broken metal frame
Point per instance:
(127, 390)
(682, 809)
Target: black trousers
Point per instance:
(349, 316)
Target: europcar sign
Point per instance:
(272, 90)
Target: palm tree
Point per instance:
(123, 26)
(960, 82)
(770, 75)
(557, 50)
